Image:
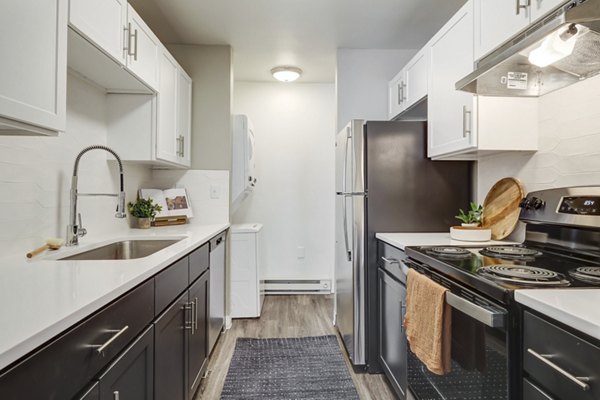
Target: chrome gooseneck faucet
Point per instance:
(75, 230)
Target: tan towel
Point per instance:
(427, 322)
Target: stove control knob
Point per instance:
(525, 203)
(537, 203)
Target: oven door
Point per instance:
(479, 355)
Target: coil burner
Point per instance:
(523, 275)
(449, 252)
(510, 252)
(589, 275)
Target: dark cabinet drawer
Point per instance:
(390, 259)
(64, 366)
(171, 282)
(550, 353)
(199, 261)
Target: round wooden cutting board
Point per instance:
(501, 207)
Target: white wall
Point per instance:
(294, 126)
(362, 78)
(35, 176)
(569, 144)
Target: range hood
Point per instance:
(568, 39)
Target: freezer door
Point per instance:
(350, 203)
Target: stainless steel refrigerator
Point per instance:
(384, 183)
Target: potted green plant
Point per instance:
(142, 212)
(472, 218)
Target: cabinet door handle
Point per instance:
(520, 6)
(390, 260)
(403, 91)
(129, 37)
(196, 313)
(182, 145)
(189, 324)
(135, 43)
(117, 332)
(578, 380)
(399, 86)
(116, 395)
(466, 125)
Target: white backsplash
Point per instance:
(208, 208)
(569, 146)
(35, 176)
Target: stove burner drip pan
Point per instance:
(450, 252)
(589, 274)
(510, 252)
(524, 275)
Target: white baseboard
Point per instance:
(298, 286)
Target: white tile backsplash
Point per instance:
(35, 176)
(569, 144)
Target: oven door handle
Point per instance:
(494, 318)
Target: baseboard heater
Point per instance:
(287, 286)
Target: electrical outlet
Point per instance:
(215, 192)
(301, 252)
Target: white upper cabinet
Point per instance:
(167, 148)
(409, 86)
(497, 20)
(102, 22)
(174, 112)
(101, 28)
(450, 112)
(184, 117)
(542, 7)
(142, 48)
(396, 99)
(154, 129)
(466, 127)
(416, 75)
(33, 70)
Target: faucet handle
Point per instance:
(81, 231)
(120, 212)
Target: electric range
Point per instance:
(561, 250)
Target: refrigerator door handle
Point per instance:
(344, 207)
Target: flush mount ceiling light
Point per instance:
(286, 74)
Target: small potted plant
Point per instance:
(472, 218)
(142, 212)
(471, 229)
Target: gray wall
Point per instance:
(362, 78)
(210, 68)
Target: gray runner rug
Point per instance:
(293, 368)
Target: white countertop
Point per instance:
(40, 298)
(577, 308)
(405, 239)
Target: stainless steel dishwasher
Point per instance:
(216, 305)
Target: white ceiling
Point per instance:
(303, 33)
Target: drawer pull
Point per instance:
(117, 333)
(578, 380)
(116, 395)
(390, 260)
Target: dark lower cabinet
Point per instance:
(198, 337)
(392, 339)
(130, 377)
(170, 364)
(181, 345)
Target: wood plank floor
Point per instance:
(285, 316)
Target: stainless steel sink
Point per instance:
(123, 250)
